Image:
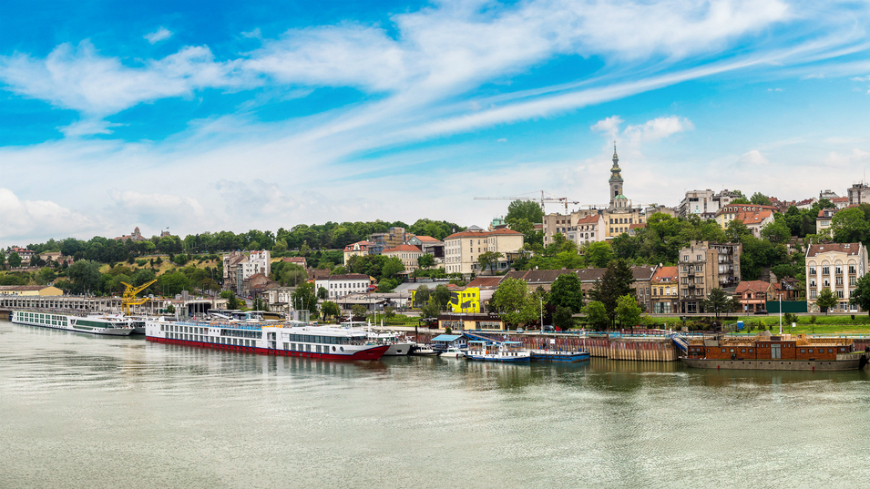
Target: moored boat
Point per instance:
(506, 351)
(768, 352)
(562, 356)
(452, 352)
(107, 325)
(328, 343)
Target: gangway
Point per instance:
(680, 342)
(480, 337)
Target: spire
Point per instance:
(615, 156)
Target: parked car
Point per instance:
(761, 311)
(549, 329)
(520, 330)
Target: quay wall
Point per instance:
(650, 349)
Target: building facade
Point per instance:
(834, 266)
(665, 295)
(705, 203)
(461, 250)
(338, 286)
(755, 217)
(823, 221)
(859, 194)
(360, 248)
(407, 253)
(703, 267)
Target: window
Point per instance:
(851, 268)
(839, 269)
(685, 258)
(812, 270)
(826, 270)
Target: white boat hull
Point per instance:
(399, 350)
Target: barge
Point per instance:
(768, 352)
(106, 325)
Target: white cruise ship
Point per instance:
(267, 339)
(93, 324)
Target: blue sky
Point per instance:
(208, 116)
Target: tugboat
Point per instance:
(768, 352)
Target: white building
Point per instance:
(338, 286)
(239, 267)
(704, 203)
(461, 250)
(835, 266)
(409, 255)
(589, 229)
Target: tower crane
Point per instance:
(544, 199)
(130, 298)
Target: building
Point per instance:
(239, 267)
(430, 246)
(651, 210)
(834, 266)
(23, 253)
(407, 253)
(705, 266)
(360, 248)
(753, 295)
(30, 290)
(339, 286)
(461, 250)
(395, 236)
(296, 260)
(135, 236)
(461, 322)
(620, 213)
(840, 202)
(859, 194)
(665, 291)
(705, 203)
(280, 298)
(581, 227)
(823, 221)
(755, 217)
(465, 299)
(641, 286)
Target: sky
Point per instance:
(209, 116)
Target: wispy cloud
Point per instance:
(159, 35)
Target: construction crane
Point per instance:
(544, 199)
(130, 298)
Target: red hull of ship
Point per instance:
(374, 353)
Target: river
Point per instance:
(78, 411)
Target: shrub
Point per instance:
(813, 319)
(142, 262)
(790, 318)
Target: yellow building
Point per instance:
(459, 322)
(465, 300)
(30, 290)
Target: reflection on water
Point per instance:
(170, 416)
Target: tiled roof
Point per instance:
(839, 199)
(362, 245)
(485, 282)
(752, 286)
(824, 213)
(294, 259)
(483, 234)
(637, 226)
(590, 274)
(428, 239)
(753, 217)
(847, 248)
(590, 219)
(409, 248)
(666, 274)
(349, 276)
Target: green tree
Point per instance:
(759, 199)
(426, 261)
(329, 309)
(430, 309)
(719, 301)
(280, 246)
(615, 283)
(566, 292)
(850, 226)
(392, 267)
(512, 300)
(260, 304)
(599, 254)
(563, 318)
(232, 301)
(488, 260)
(305, 298)
(322, 293)
(441, 296)
(14, 260)
(524, 209)
(421, 295)
(358, 310)
(85, 275)
(826, 300)
(627, 311)
(736, 230)
(596, 315)
(861, 295)
(776, 232)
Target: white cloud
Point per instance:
(158, 35)
(88, 127)
(774, 90)
(79, 78)
(753, 158)
(658, 128)
(846, 160)
(609, 125)
(28, 221)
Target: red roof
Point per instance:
(637, 226)
(589, 219)
(485, 282)
(362, 245)
(428, 239)
(752, 286)
(847, 248)
(408, 248)
(666, 274)
(839, 199)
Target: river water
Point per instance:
(81, 411)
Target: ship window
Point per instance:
(333, 348)
(743, 350)
(723, 350)
(811, 350)
(842, 349)
(750, 350)
(830, 350)
(802, 350)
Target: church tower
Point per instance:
(615, 182)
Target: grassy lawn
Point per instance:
(831, 324)
(397, 320)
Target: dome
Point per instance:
(620, 197)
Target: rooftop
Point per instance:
(846, 248)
